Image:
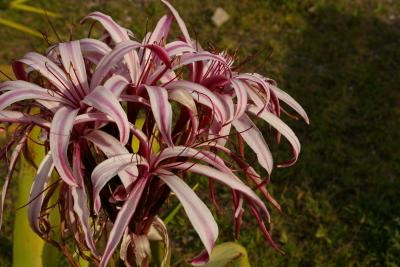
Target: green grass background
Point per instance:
(341, 60)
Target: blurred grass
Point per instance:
(341, 61)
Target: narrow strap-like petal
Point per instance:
(80, 201)
(241, 97)
(279, 125)
(60, 132)
(107, 169)
(179, 20)
(112, 147)
(20, 90)
(254, 138)
(285, 97)
(203, 96)
(118, 34)
(36, 195)
(162, 111)
(116, 84)
(105, 101)
(51, 71)
(123, 218)
(20, 117)
(198, 213)
(228, 179)
(74, 65)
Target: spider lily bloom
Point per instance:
(64, 95)
(192, 101)
(162, 173)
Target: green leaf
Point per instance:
(28, 248)
(229, 254)
(20, 27)
(34, 10)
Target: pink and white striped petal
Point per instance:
(203, 96)
(74, 65)
(285, 97)
(60, 132)
(118, 34)
(112, 147)
(255, 140)
(179, 20)
(107, 169)
(162, 111)
(80, 201)
(36, 195)
(241, 97)
(123, 218)
(105, 101)
(21, 90)
(279, 125)
(198, 213)
(51, 71)
(116, 84)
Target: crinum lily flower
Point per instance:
(186, 108)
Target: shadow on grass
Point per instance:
(343, 195)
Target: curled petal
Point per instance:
(203, 96)
(118, 34)
(103, 100)
(60, 131)
(112, 147)
(179, 20)
(279, 125)
(254, 138)
(162, 111)
(74, 65)
(123, 218)
(116, 84)
(106, 170)
(36, 196)
(285, 97)
(241, 97)
(198, 213)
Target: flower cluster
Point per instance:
(124, 121)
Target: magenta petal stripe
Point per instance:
(36, 195)
(254, 138)
(107, 169)
(279, 125)
(118, 34)
(74, 65)
(116, 84)
(123, 218)
(198, 213)
(104, 100)
(112, 147)
(179, 20)
(162, 111)
(60, 131)
(80, 203)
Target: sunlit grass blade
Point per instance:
(20, 27)
(34, 10)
